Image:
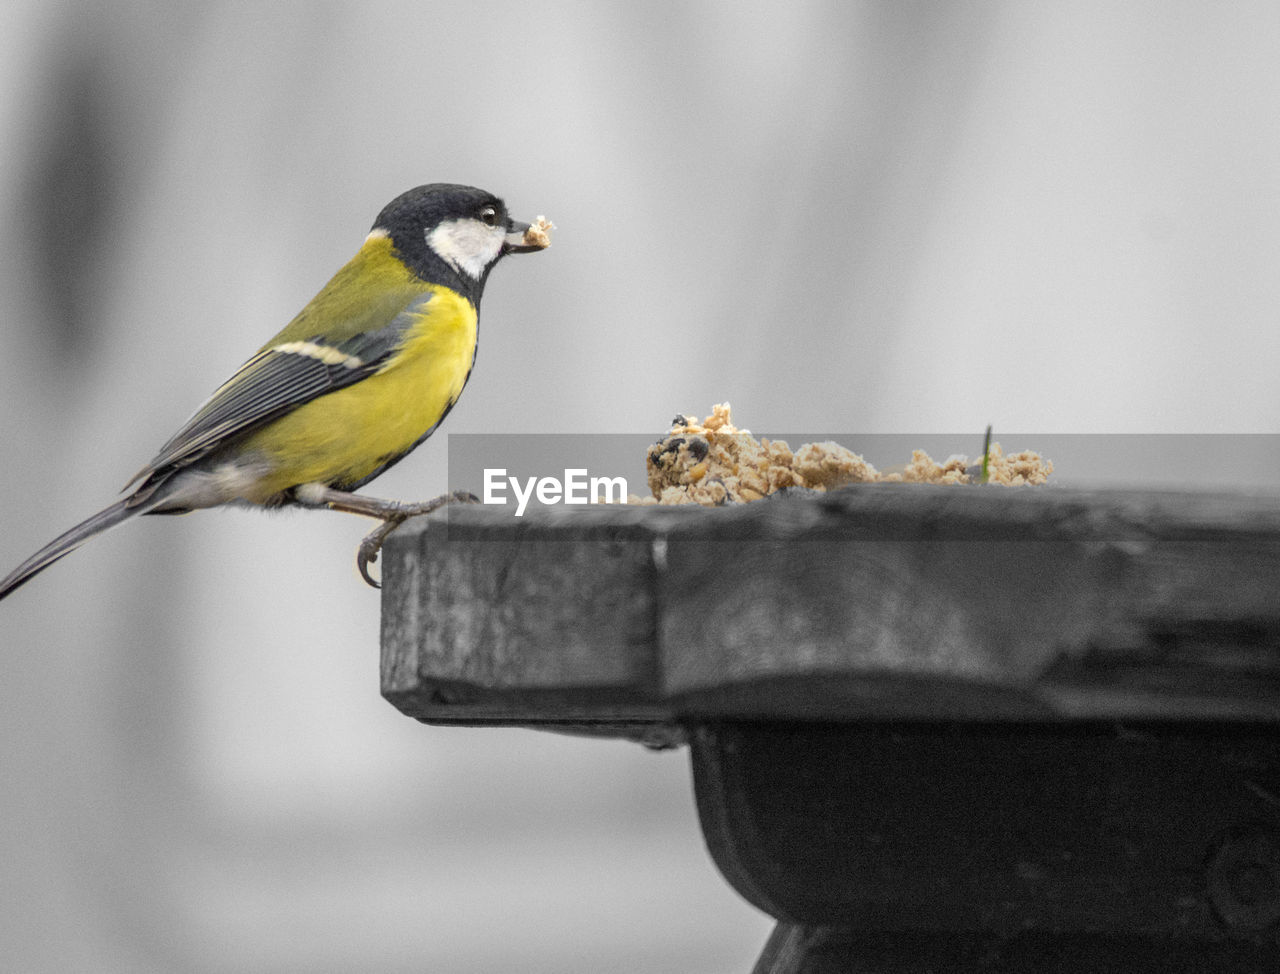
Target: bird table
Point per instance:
(931, 728)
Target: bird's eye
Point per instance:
(489, 216)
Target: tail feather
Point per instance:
(68, 542)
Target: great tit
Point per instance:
(364, 373)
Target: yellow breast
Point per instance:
(347, 436)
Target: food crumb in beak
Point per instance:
(538, 236)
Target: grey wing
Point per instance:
(277, 380)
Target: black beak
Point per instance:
(514, 244)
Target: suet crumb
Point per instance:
(539, 233)
(713, 462)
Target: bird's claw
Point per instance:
(363, 561)
(371, 544)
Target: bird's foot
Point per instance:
(371, 544)
(391, 513)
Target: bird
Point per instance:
(359, 378)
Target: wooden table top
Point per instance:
(887, 601)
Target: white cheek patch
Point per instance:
(467, 244)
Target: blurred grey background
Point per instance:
(885, 216)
